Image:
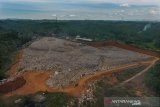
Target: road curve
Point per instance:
(140, 73)
(36, 81)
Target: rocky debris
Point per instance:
(10, 79)
(87, 96)
(3, 81)
(69, 60)
(39, 98)
(18, 101)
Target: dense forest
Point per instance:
(10, 42)
(153, 79)
(144, 34)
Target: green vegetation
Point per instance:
(15, 33)
(57, 100)
(127, 32)
(153, 79)
(105, 90)
(129, 73)
(10, 41)
(43, 100)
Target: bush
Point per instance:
(153, 79)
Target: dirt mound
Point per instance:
(124, 46)
(12, 85)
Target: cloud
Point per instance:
(122, 11)
(124, 5)
(72, 15)
(155, 2)
(54, 15)
(154, 12)
(90, 1)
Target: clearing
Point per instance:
(57, 65)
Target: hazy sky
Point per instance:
(81, 9)
(97, 1)
(90, 1)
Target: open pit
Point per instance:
(69, 61)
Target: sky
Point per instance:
(89, 1)
(81, 9)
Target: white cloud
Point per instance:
(54, 15)
(154, 12)
(122, 11)
(124, 5)
(72, 15)
(128, 1)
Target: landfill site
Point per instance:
(70, 61)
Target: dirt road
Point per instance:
(140, 73)
(125, 46)
(36, 81)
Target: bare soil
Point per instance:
(70, 60)
(127, 47)
(36, 80)
(12, 85)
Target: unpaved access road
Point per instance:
(36, 81)
(140, 73)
